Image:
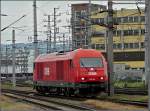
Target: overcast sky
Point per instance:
(16, 9)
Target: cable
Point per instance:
(13, 23)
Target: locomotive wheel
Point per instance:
(67, 92)
(39, 89)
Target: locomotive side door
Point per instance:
(60, 70)
(39, 71)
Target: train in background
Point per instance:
(79, 72)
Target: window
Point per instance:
(97, 21)
(126, 45)
(78, 44)
(130, 45)
(142, 31)
(118, 20)
(118, 32)
(125, 19)
(131, 19)
(114, 33)
(125, 32)
(115, 20)
(100, 46)
(114, 46)
(136, 45)
(143, 69)
(130, 32)
(136, 32)
(142, 18)
(91, 62)
(98, 34)
(101, 20)
(142, 44)
(78, 14)
(135, 18)
(97, 46)
(118, 46)
(83, 13)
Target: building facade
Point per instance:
(80, 23)
(128, 35)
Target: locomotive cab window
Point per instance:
(91, 62)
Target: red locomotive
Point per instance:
(79, 72)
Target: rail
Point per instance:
(30, 95)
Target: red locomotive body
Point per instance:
(83, 71)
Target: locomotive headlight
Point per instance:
(101, 78)
(82, 78)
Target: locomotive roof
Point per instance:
(66, 55)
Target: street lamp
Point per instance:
(12, 23)
(3, 15)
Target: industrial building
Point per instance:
(23, 63)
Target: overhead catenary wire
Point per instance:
(12, 23)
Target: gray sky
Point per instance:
(16, 9)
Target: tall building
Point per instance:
(80, 23)
(128, 38)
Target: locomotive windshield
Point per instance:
(91, 62)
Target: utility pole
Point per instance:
(6, 70)
(147, 47)
(89, 25)
(47, 50)
(13, 58)
(70, 43)
(49, 37)
(73, 25)
(54, 28)
(70, 40)
(35, 30)
(64, 42)
(110, 48)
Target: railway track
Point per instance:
(131, 91)
(44, 101)
(137, 103)
(62, 98)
